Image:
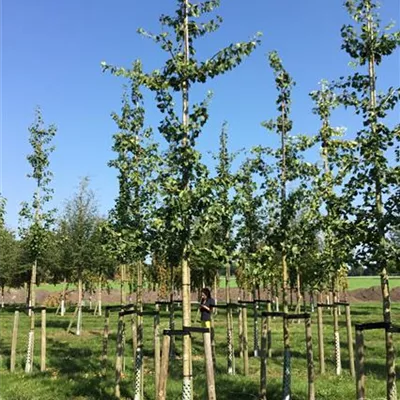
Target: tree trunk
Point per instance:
(79, 319)
(99, 296)
(31, 295)
(62, 306)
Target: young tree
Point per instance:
(181, 71)
(38, 219)
(8, 253)
(35, 233)
(375, 179)
(289, 168)
(137, 163)
(78, 225)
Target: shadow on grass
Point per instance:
(81, 365)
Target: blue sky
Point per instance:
(51, 53)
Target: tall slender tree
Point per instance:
(181, 71)
(137, 162)
(8, 253)
(78, 225)
(375, 179)
(38, 219)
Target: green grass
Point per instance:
(355, 282)
(364, 282)
(73, 363)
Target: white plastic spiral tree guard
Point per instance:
(29, 353)
(338, 361)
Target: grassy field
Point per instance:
(73, 363)
(355, 282)
(364, 282)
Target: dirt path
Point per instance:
(15, 296)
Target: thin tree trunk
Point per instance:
(79, 317)
(379, 211)
(32, 286)
(99, 296)
(62, 307)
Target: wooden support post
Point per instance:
(120, 354)
(162, 385)
(269, 333)
(209, 366)
(350, 340)
(105, 342)
(310, 360)
(172, 327)
(360, 374)
(263, 360)
(245, 342)
(213, 346)
(14, 342)
(157, 355)
(240, 331)
(321, 352)
(43, 343)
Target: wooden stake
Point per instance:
(245, 342)
(105, 342)
(14, 341)
(350, 340)
(310, 360)
(209, 366)
(162, 386)
(269, 332)
(120, 354)
(263, 360)
(360, 375)
(157, 355)
(240, 331)
(321, 341)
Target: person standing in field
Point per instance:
(206, 305)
